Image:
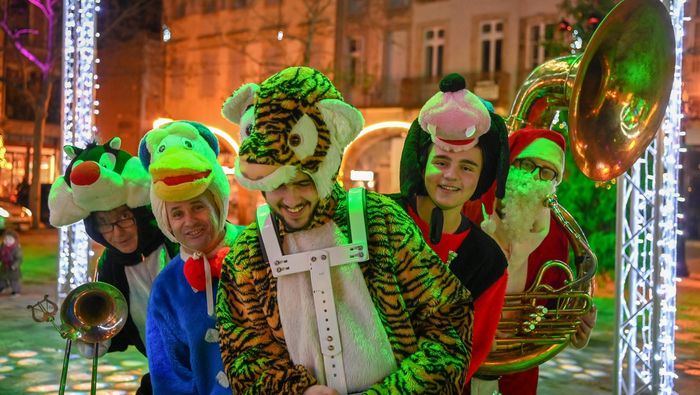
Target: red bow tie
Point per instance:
(194, 269)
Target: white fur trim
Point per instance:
(158, 208)
(70, 151)
(324, 177)
(115, 143)
(236, 104)
(281, 175)
(306, 129)
(62, 209)
(344, 123)
(343, 120)
(547, 150)
(137, 182)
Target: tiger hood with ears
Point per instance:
(294, 121)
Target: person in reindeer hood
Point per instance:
(454, 152)
(108, 189)
(190, 196)
(329, 292)
(527, 231)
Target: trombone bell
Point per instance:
(94, 312)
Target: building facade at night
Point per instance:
(386, 57)
(130, 76)
(19, 84)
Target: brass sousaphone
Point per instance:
(615, 95)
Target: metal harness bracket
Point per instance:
(318, 263)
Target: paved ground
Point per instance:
(31, 353)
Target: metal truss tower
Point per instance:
(645, 267)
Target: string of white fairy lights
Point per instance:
(649, 263)
(79, 84)
(647, 228)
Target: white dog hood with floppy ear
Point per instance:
(294, 121)
(98, 178)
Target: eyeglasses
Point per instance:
(123, 224)
(545, 173)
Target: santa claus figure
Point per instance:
(527, 231)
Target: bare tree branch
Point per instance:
(15, 35)
(127, 13)
(44, 8)
(20, 32)
(42, 98)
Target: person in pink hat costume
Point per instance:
(454, 152)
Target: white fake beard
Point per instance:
(524, 198)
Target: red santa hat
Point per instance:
(543, 144)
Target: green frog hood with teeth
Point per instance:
(296, 120)
(181, 157)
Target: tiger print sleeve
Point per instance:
(255, 361)
(440, 310)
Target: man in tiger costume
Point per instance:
(329, 292)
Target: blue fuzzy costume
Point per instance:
(182, 339)
(181, 332)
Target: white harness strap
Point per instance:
(319, 263)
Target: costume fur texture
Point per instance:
(98, 178)
(305, 127)
(182, 159)
(454, 117)
(296, 121)
(426, 322)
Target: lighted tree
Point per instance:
(38, 45)
(593, 205)
(3, 161)
(582, 19)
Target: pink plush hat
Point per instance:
(454, 117)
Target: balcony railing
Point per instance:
(414, 92)
(493, 87)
